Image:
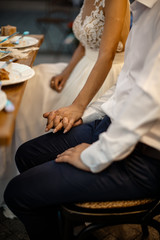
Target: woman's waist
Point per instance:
(93, 55)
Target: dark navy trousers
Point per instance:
(43, 185)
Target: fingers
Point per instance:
(58, 127)
(57, 83)
(67, 152)
(78, 122)
(45, 115)
(60, 123)
(65, 156)
(68, 124)
(52, 82)
(57, 122)
(50, 117)
(54, 120)
(65, 122)
(57, 119)
(61, 85)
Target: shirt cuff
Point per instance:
(91, 115)
(98, 163)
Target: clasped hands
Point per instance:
(63, 118)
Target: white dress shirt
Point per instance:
(134, 103)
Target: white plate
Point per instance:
(3, 99)
(18, 73)
(24, 42)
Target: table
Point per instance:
(15, 93)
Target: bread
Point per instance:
(8, 30)
(4, 74)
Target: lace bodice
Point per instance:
(89, 24)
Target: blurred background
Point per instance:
(53, 18)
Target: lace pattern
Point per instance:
(88, 29)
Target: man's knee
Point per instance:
(12, 194)
(20, 157)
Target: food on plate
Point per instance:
(7, 43)
(8, 30)
(4, 74)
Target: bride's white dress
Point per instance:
(39, 97)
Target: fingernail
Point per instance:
(46, 129)
(54, 130)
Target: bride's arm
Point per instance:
(58, 81)
(115, 13)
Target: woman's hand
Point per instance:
(66, 118)
(57, 82)
(72, 156)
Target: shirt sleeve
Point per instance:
(94, 110)
(141, 111)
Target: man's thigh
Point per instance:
(51, 184)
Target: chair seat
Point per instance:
(115, 204)
(110, 207)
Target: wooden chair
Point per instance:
(102, 214)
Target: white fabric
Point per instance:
(149, 3)
(39, 98)
(134, 105)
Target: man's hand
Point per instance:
(72, 156)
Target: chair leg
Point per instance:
(67, 230)
(153, 223)
(145, 232)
